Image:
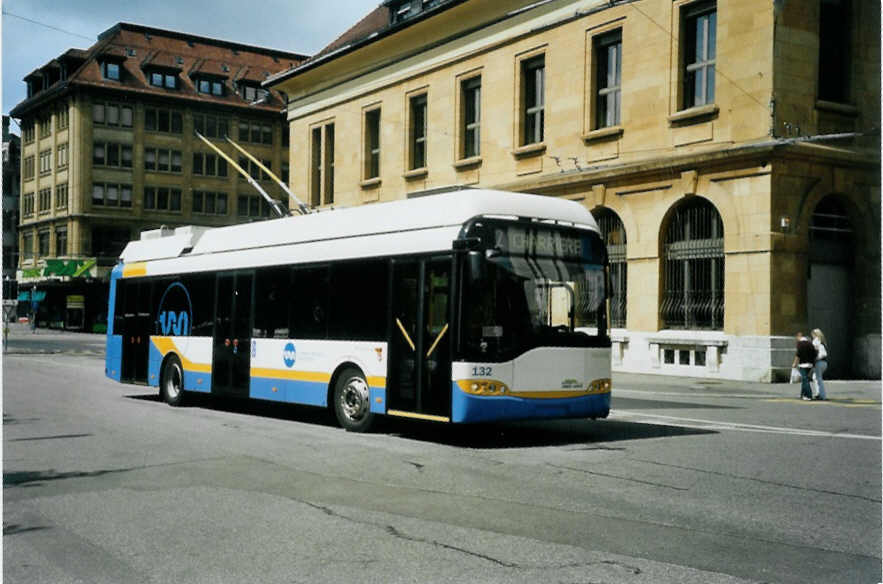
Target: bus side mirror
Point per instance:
(477, 268)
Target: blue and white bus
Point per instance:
(466, 306)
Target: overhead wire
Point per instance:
(39, 23)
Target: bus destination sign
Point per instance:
(517, 240)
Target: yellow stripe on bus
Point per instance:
(315, 376)
(165, 345)
(135, 269)
(402, 414)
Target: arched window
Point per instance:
(613, 234)
(693, 267)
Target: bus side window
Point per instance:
(309, 303)
(271, 308)
(358, 295)
(202, 296)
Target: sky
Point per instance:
(300, 26)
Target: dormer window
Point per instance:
(252, 93)
(401, 10)
(210, 86)
(110, 71)
(163, 79)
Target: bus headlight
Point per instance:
(483, 387)
(600, 386)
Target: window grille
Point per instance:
(693, 268)
(613, 234)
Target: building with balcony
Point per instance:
(109, 149)
(729, 151)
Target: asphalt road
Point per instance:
(687, 482)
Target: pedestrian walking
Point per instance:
(821, 364)
(804, 360)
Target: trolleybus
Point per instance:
(466, 306)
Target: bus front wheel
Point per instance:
(352, 401)
(172, 386)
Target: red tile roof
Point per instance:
(139, 48)
(374, 21)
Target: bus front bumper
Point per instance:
(466, 408)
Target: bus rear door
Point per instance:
(231, 345)
(137, 328)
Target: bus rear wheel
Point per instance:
(172, 382)
(352, 401)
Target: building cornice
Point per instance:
(759, 153)
(66, 87)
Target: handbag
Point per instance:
(795, 375)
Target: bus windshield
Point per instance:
(517, 302)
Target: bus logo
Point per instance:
(175, 313)
(174, 323)
(289, 355)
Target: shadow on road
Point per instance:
(593, 434)
(38, 477)
(590, 433)
(265, 409)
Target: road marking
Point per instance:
(618, 390)
(644, 418)
(843, 403)
(768, 397)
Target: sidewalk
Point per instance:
(860, 388)
(19, 329)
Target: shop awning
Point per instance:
(39, 295)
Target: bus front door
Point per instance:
(420, 359)
(231, 345)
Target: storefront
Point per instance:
(65, 294)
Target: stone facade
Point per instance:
(756, 151)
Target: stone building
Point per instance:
(11, 184)
(109, 149)
(729, 150)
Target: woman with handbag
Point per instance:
(821, 364)
(804, 361)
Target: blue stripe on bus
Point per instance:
(113, 348)
(197, 381)
(153, 363)
(378, 399)
(478, 408)
(113, 362)
(310, 393)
